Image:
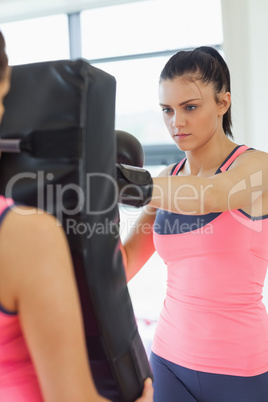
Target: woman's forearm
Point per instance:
(181, 194)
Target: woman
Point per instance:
(209, 221)
(43, 355)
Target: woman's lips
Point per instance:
(182, 135)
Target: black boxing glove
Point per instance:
(129, 149)
(135, 185)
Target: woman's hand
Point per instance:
(147, 395)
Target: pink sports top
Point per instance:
(213, 318)
(18, 381)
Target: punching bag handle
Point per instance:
(10, 145)
(65, 143)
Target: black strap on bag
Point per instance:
(57, 139)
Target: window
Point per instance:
(137, 108)
(150, 26)
(133, 42)
(37, 39)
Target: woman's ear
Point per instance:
(224, 102)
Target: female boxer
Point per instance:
(209, 222)
(42, 347)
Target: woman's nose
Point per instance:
(178, 119)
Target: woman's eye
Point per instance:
(166, 109)
(190, 108)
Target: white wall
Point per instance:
(245, 31)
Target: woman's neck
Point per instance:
(205, 160)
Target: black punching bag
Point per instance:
(59, 125)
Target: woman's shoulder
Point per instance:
(253, 151)
(254, 156)
(5, 204)
(30, 241)
(167, 171)
(23, 217)
(25, 231)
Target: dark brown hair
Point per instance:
(204, 63)
(3, 57)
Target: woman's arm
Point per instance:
(37, 267)
(239, 187)
(138, 246)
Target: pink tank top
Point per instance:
(213, 318)
(18, 381)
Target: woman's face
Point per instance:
(4, 89)
(190, 111)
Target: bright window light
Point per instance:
(136, 29)
(37, 39)
(150, 26)
(137, 108)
